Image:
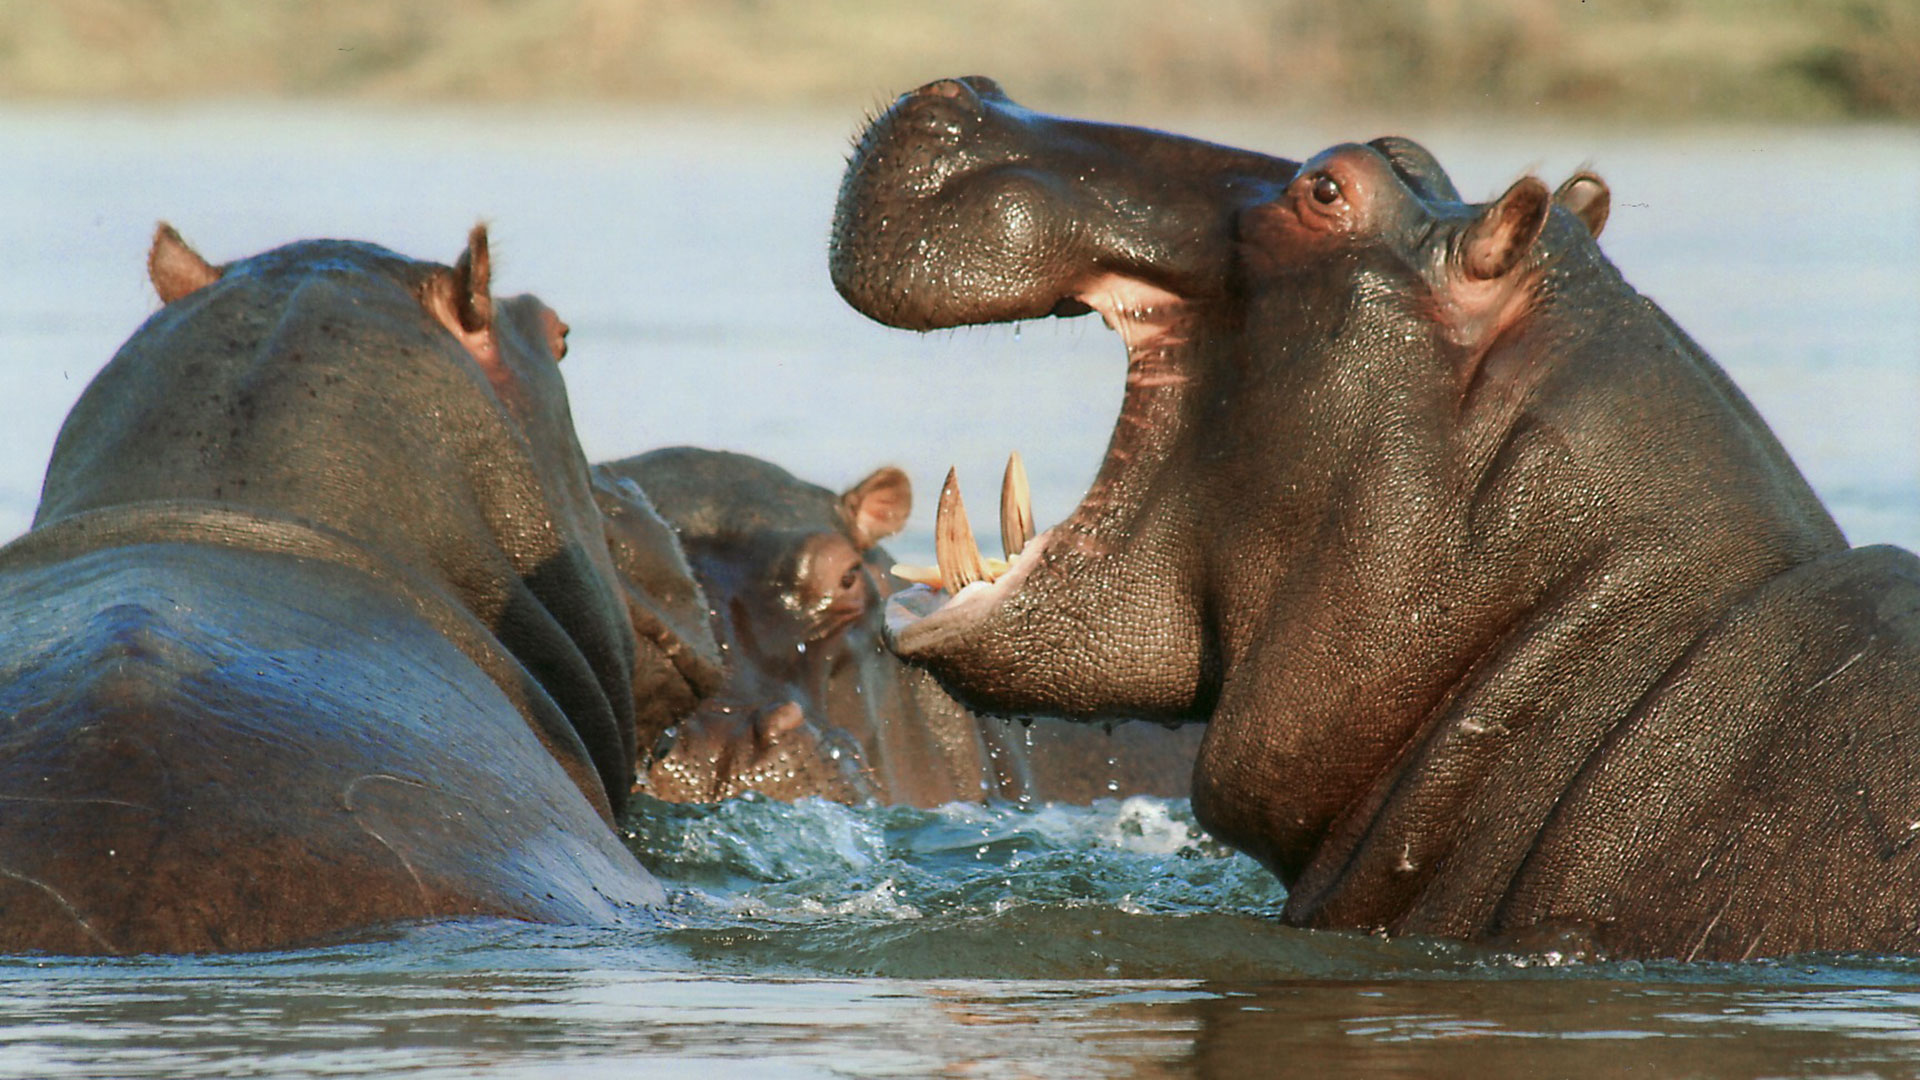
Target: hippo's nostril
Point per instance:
(962, 96)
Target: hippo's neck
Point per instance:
(1425, 711)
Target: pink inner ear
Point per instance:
(1588, 198)
(442, 300)
(878, 506)
(175, 269)
(473, 282)
(557, 332)
(1502, 235)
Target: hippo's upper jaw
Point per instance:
(961, 206)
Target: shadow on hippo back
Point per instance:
(316, 628)
(678, 662)
(815, 704)
(1510, 618)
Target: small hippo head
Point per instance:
(794, 583)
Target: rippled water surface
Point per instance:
(814, 940)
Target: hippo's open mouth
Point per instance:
(960, 206)
(966, 586)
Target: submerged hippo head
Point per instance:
(678, 662)
(792, 580)
(1413, 500)
(813, 703)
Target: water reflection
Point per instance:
(435, 1005)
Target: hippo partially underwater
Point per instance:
(813, 703)
(317, 628)
(1510, 619)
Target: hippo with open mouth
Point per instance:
(1510, 619)
(317, 627)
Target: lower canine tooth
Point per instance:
(1016, 508)
(953, 544)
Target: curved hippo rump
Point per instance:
(316, 628)
(814, 704)
(1510, 618)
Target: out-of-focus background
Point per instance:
(663, 173)
(1681, 60)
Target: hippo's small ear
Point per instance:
(1505, 231)
(460, 301)
(1587, 196)
(473, 283)
(877, 507)
(175, 269)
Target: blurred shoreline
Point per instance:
(1660, 61)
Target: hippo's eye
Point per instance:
(851, 578)
(1325, 191)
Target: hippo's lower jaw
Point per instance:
(1150, 322)
(985, 627)
(921, 619)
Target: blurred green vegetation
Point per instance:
(1637, 59)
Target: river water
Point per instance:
(686, 250)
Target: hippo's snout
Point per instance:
(964, 95)
(962, 206)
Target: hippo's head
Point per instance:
(399, 406)
(961, 207)
(793, 581)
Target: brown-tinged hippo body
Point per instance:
(1510, 619)
(316, 628)
(814, 703)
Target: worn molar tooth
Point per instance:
(1016, 508)
(953, 545)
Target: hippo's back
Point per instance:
(1767, 790)
(210, 748)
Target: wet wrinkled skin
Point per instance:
(814, 703)
(316, 628)
(677, 662)
(1511, 619)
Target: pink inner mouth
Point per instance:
(1147, 318)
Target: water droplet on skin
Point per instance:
(800, 648)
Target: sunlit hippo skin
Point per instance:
(814, 703)
(1511, 620)
(316, 628)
